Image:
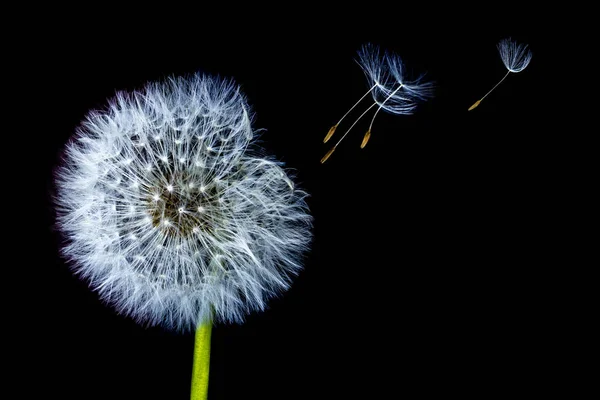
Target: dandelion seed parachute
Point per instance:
(170, 212)
(515, 57)
(390, 90)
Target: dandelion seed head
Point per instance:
(171, 242)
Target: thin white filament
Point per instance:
(355, 104)
(381, 105)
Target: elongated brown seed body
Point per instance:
(475, 105)
(330, 134)
(326, 156)
(365, 139)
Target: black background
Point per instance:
(423, 276)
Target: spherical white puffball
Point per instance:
(170, 211)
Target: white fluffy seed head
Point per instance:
(515, 56)
(386, 73)
(170, 214)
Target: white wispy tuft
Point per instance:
(391, 90)
(515, 56)
(170, 212)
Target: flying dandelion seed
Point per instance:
(516, 58)
(388, 87)
(172, 215)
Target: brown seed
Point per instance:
(365, 139)
(326, 156)
(329, 134)
(475, 105)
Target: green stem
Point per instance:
(201, 362)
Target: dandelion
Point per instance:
(172, 214)
(388, 87)
(516, 58)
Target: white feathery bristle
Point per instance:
(386, 73)
(515, 56)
